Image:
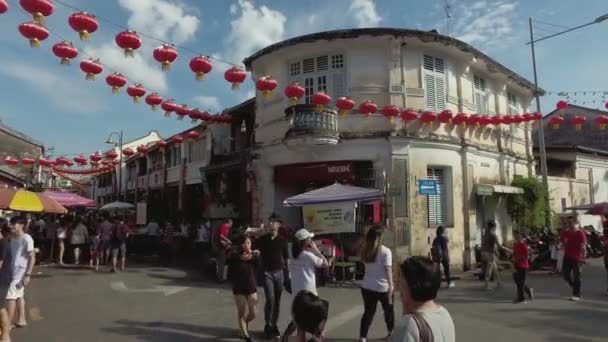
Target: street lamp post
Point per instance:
(541, 130)
(109, 141)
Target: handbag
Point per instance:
(426, 334)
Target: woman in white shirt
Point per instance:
(62, 234)
(79, 237)
(306, 258)
(377, 283)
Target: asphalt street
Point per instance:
(161, 304)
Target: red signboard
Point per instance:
(315, 172)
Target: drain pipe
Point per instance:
(403, 93)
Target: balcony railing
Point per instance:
(308, 126)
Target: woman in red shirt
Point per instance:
(521, 264)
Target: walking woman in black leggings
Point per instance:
(440, 254)
(378, 282)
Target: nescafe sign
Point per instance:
(315, 172)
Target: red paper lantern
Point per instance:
(390, 112)
(154, 100)
(38, 8)
(115, 161)
(409, 115)
(517, 119)
(368, 108)
(10, 161)
(200, 66)
(193, 135)
(236, 76)
(485, 120)
(195, 115)
(556, 121)
(91, 67)
(508, 120)
(320, 100)
(182, 111)
(3, 6)
(34, 32)
(344, 105)
(136, 91)
(601, 122)
(111, 154)
(161, 144)
(537, 116)
(428, 117)
(45, 162)
(95, 157)
(65, 51)
(578, 121)
(27, 161)
(142, 149)
(105, 162)
(84, 24)
(294, 92)
(496, 120)
(165, 55)
(116, 81)
(561, 104)
(445, 116)
(473, 120)
(69, 163)
(129, 41)
(205, 116)
(80, 159)
(178, 139)
(266, 85)
(168, 106)
(460, 120)
(128, 152)
(528, 117)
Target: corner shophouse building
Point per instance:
(410, 69)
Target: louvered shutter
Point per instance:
(338, 86)
(439, 93)
(437, 206)
(434, 78)
(430, 91)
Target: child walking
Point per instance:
(521, 264)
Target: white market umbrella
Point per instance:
(117, 206)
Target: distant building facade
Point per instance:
(17, 145)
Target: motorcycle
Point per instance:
(594, 243)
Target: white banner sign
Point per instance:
(330, 218)
(142, 214)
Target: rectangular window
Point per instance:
(321, 73)
(480, 95)
(512, 104)
(195, 150)
(437, 204)
(434, 81)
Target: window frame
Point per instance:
(482, 93)
(445, 189)
(438, 100)
(329, 73)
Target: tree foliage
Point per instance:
(528, 209)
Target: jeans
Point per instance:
(273, 288)
(490, 267)
(370, 302)
(220, 259)
(446, 270)
(519, 276)
(571, 270)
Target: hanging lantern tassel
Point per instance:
(34, 42)
(267, 94)
(65, 61)
(293, 101)
(115, 90)
(84, 35)
(39, 18)
(318, 108)
(200, 76)
(167, 114)
(136, 99)
(129, 52)
(578, 127)
(235, 86)
(180, 117)
(166, 66)
(90, 77)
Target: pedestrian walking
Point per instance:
(105, 231)
(118, 243)
(24, 259)
(167, 243)
(222, 243)
(440, 253)
(377, 283)
(95, 250)
(605, 245)
(79, 238)
(62, 234)
(575, 253)
(202, 242)
(309, 314)
(306, 259)
(424, 319)
(490, 246)
(242, 262)
(273, 249)
(6, 276)
(521, 264)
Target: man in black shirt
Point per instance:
(273, 249)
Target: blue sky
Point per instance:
(55, 104)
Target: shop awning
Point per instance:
(334, 193)
(68, 199)
(491, 189)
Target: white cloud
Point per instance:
(139, 68)
(484, 23)
(253, 29)
(61, 93)
(207, 102)
(364, 13)
(162, 19)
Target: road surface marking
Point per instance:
(166, 290)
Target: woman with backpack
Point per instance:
(377, 283)
(118, 243)
(440, 253)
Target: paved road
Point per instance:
(160, 304)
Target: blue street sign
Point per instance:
(427, 187)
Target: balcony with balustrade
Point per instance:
(309, 126)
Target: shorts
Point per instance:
(16, 289)
(79, 246)
(122, 248)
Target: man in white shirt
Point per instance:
(24, 258)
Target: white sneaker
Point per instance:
(452, 284)
(575, 298)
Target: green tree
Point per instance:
(528, 209)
